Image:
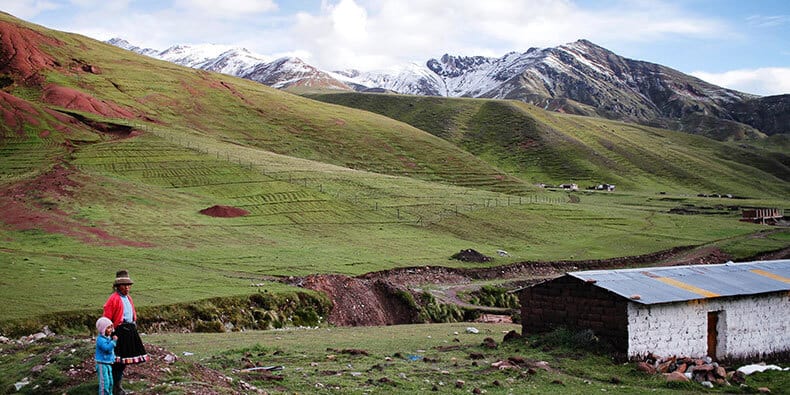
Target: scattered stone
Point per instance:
(643, 366)
(676, 376)
(459, 383)
(476, 355)
(738, 377)
(502, 365)
(472, 329)
(512, 335)
(19, 384)
(490, 343)
(764, 390)
(707, 384)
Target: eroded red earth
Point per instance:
(33, 204)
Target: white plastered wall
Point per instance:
(748, 326)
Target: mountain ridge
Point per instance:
(579, 77)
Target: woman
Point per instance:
(119, 308)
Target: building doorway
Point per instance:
(713, 333)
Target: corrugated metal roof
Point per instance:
(680, 283)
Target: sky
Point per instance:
(737, 44)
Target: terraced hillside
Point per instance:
(555, 148)
(202, 185)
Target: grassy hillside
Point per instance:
(107, 159)
(555, 148)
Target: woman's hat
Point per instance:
(102, 324)
(122, 278)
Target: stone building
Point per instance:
(730, 311)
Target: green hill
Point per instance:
(108, 159)
(554, 148)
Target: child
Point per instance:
(105, 354)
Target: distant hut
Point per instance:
(762, 215)
(730, 311)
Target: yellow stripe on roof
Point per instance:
(771, 275)
(687, 287)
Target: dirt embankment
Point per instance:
(377, 298)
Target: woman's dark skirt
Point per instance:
(129, 348)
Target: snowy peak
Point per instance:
(121, 43)
(454, 66)
(579, 77)
(240, 62)
(290, 71)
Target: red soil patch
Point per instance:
(32, 205)
(362, 302)
(21, 54)
(16, 112)
(224, 211)
(76, 100)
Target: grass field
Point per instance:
(425, 358)
(396, 181)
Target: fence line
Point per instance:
(400, 215)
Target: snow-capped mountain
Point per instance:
(409, 78)
(279, 73)
(578, 77)
(288, 72)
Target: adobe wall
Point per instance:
(572, 303)
(749, 327)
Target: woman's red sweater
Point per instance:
(113, 309)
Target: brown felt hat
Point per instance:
(122, 278)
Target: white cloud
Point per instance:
(361, 33)
(27, 9)
(763, 81)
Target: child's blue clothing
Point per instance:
(105, 349)
(105, 356)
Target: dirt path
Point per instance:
(377, 298)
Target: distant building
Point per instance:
(603, 187)
(730, 311)
(762, 215)
(569, 187)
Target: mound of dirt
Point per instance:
(224, 211)
(362, 302)
(470, 255)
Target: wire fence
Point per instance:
(419, 210)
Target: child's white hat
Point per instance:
(102, 324)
